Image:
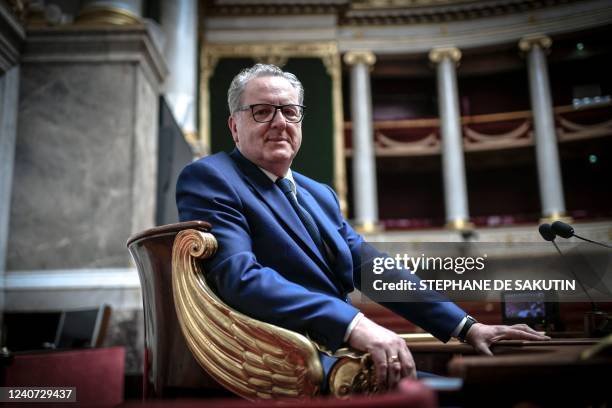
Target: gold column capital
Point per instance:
(526, 43)
(357, 57)
(106, 15)
(437, 54)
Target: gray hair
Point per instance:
(240, 81)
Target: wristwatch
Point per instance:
(469, 321)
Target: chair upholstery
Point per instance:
(409, 394)
(97, 373)
(251, 358)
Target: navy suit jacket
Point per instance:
(268, 267)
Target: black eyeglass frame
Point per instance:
(276, 109)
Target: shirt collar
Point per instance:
(288, 176)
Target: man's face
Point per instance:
(271, 145)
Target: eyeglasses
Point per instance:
(264, 112)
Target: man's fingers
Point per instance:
(526, 328)
(379, 358)
(408, 366)
(483, 348)
(394, 371)
(515, 334)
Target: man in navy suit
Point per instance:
(286, 255)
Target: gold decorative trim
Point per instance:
(570, 131)
(520, 136)
(106, 15)
(194, 141)
(465, 120)
(543, 41)
(556, 216)
(360, 57)
(278, 60)
(392, 4)
(368, 227)
(437, 54)
(253, 359)
(19, 9)
(460, 224)
(326, 51)
(353, 375)
(334, 68)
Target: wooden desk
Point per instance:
(550, 373)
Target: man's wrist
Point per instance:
(469, 322)
(352, 325)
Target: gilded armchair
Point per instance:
(251, 358)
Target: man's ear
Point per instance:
(233, 127)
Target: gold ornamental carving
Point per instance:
(106, 15)
(528, 42)
(19, 9)
(360, 57)
(253, 359)
(437, 54)
(353, 375)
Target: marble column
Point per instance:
(453, 166)
(364, 159)
(179, 22)
(547, 154)
(12, 35)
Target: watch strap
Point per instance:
(469, 322)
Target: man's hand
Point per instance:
(481, 336)
(392, 359)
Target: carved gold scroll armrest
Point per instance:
(251, 358)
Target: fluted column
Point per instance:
(547, 154)
(179, 22)
(364, 162)
(453, 166)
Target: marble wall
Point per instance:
(85, 173)
(85, 161)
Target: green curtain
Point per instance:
(225, 71)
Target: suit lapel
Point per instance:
(330, 235)
(278, 203)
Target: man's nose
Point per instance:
(279, 119)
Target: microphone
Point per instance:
(567, 231)
(562, 229)
(549, 233)
(546, 232)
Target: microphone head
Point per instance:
(562, 229)
(546, 232)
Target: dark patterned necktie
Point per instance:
(309, 223)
